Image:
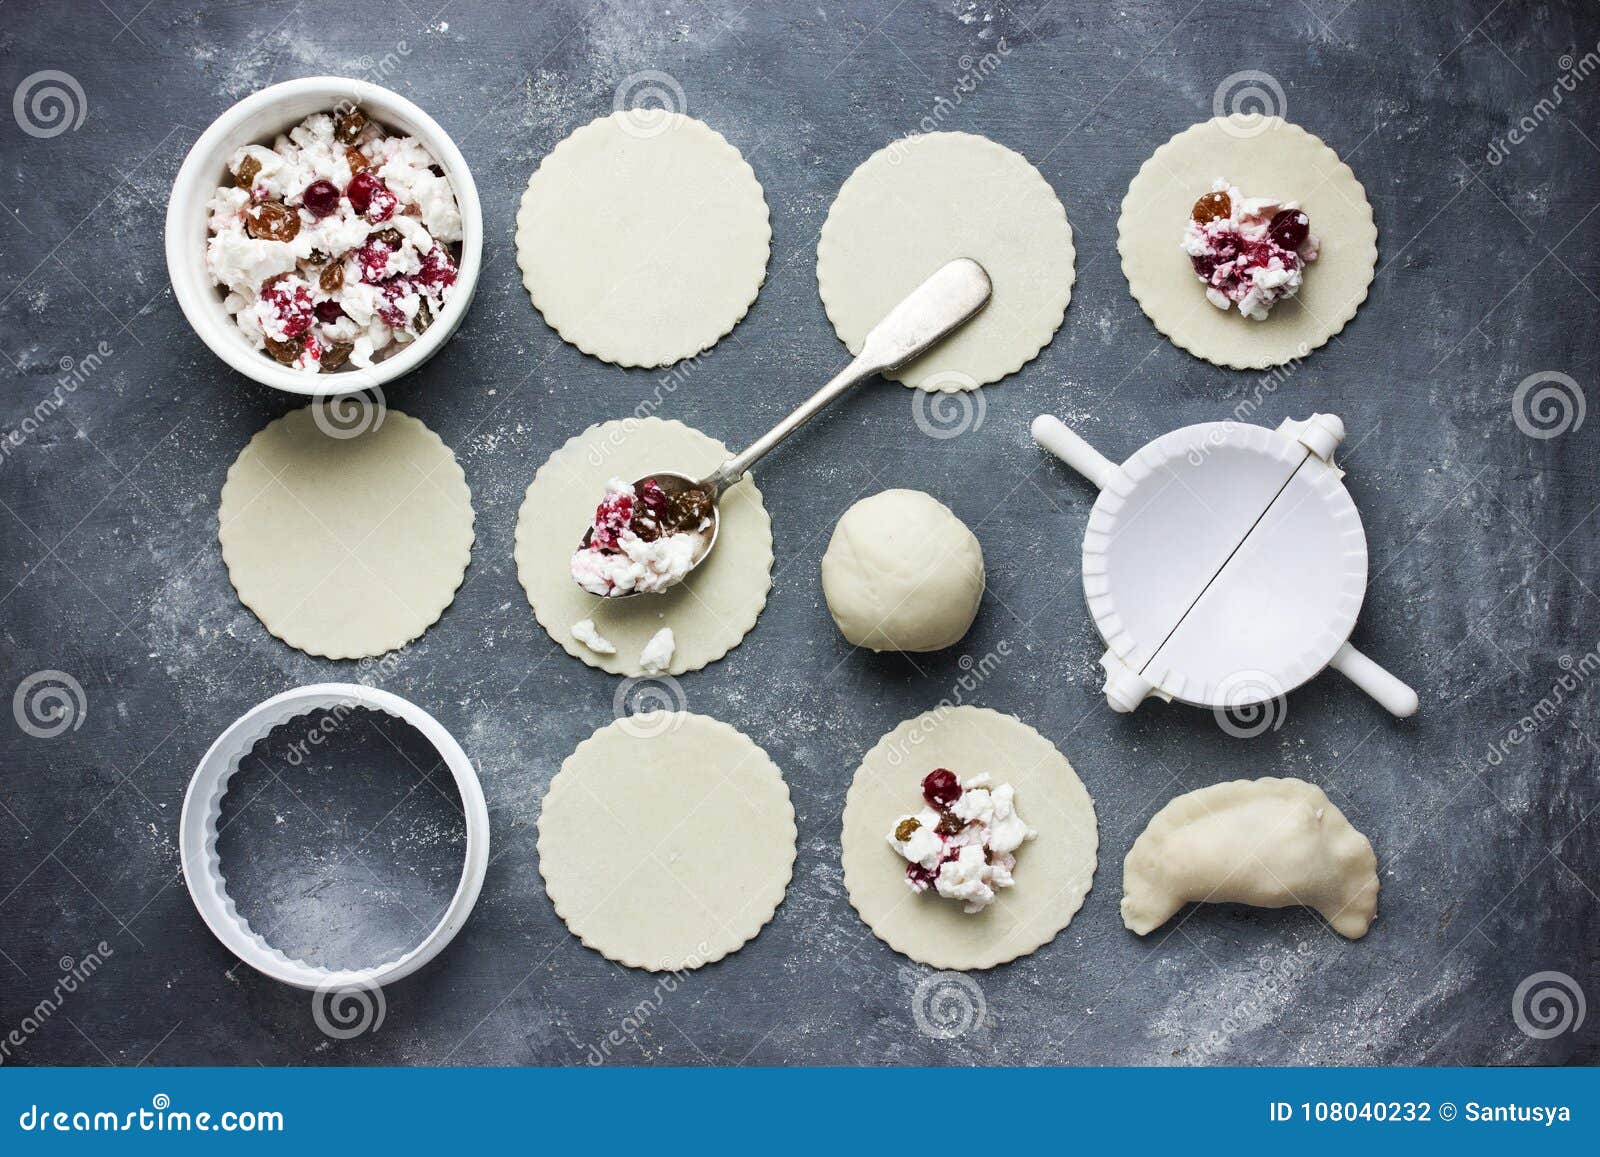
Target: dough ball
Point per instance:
(902, 573)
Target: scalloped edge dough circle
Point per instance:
(925, 200)
(667, 840)
(346, 547)
(643, 237)
(1054, 871)
(710, 612)
(1266, 157)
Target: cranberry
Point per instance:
(328, 312)
(438, 271)
(271, 221)
(941, 788)
(370, 197)
(292, 304)
(611, 518)
(373, 259)
(1289, 228)
(652, 512)
(1211, 207)
(919, 877)
(1205, 265)
(392, 312)
(321, 198)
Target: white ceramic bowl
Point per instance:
(257, 119)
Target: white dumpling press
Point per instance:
(1224, 564)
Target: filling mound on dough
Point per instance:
(642, 539)
(962, 843)
(1249, 252)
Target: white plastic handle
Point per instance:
(1398, 699)
(1057, 437)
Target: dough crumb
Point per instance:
(657, 653)
(583, 631)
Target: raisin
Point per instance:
(357, 160)
(1211, 207)
(347, 126)
(271, 221)
(390, 237)
(951, 824)
(286, 352)
(247, 171)
(906, 828)
(424, 316)
(336, 355)
(331, 278)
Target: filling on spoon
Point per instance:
(642, 539)
(1249, 252)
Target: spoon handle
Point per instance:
(928, 313)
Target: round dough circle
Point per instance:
(924, 201)
(346, 544)
(643, 237)
(667, 840)
(902, 573)
(1266, 157)
(1053, 872)
(710, 612)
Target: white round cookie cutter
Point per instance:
(202, 806)
(1224, 564)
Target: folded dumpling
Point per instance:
(1267, 842)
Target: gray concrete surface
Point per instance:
(1484, 540)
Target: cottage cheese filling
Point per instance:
(333, 244)
(962, 843)
(640, 541)
(1249, 252)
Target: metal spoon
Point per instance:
(928, 314)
